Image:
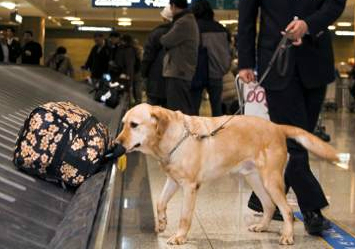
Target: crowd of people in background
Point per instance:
(188, 53)
(30, 52)
(171, 59)
(171, 65)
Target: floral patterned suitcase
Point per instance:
(62, 142)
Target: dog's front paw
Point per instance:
(160, 226)
(257, 228)
(177, 240)
(286, 240)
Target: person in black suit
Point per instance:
(295, 97)
(13, 44)
(31, 51)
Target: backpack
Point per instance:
(61, 142)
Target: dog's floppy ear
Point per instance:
(161, 119)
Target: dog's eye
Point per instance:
(133, 125)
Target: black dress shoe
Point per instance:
(321, 133)
(253, 205)
(315, 223)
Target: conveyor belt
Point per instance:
(31, 209)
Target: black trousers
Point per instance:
(178, 95)
(298, 106)
(153, 100)
(214, 89)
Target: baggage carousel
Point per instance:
(35, 213)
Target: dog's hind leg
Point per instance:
(253, 179)
(188, 207)
(169, 190)
(272, 176)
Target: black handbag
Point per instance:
(109, 92)
(201, 77)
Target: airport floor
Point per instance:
(221, 216)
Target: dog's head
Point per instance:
(143, 127)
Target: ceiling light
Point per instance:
(55, 0)
(124, 23)
(49, 17)
(345, 33)
(124, 19)
(344, 24)
(72, 18)
(228, 22)
(8, 5)
(93, 28)
(331, 27)
(77, 22)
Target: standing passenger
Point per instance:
(215, 38)
(98, 59)
(180, 60)
(114, 40)
(125, 60)
(152, 64)
(137, 78)
(14, 45)
(295, 97)
(4, 49)
(31, 51)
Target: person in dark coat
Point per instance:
(216, 39)
(31, 51)
(125, 60)
(296, 97)
(99, 58)
(114, 41)
(152, 64)
(4, 49)
(13, 44)
(180, 60)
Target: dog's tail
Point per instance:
(311, 143)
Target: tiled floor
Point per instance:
(222, 216)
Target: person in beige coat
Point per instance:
(60, 62)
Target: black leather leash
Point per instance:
(281, 55)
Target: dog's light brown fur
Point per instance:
(253, 146)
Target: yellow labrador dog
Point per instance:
(253, 146)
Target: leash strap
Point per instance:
(281, 49)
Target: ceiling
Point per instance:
(141, 18)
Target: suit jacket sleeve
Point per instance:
(325, 16)
(248, 12)
(177, 34)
